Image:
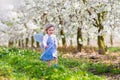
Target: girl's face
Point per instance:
(50, 30)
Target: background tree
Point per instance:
(23, 20)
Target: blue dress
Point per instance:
(49, 52)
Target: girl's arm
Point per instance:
(56, 42)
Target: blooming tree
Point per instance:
(75, 20)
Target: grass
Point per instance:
(18, 64)
(114, 49)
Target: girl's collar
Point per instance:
(52, 35)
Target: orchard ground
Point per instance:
(24, 64)
(111, 59)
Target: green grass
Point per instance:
(114, 49)
(17, 64)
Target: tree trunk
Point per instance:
(37, 44)
(101, 43)
(19, 44)
(22, 43)
(79, 39)
(71, 44)
(32, 41)
(111, 40)
(88, 39)
(15, 43)
(27, 40)
(11, 43)
(63, 37)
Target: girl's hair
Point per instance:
(48, 26)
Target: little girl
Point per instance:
(50, 46)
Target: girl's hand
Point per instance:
(46, 46)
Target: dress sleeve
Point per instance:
(45, 40)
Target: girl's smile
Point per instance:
(50, 30)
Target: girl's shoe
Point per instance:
(56, 65)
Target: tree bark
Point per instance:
(11, 43)
(32, 41)
(37, 44)
(79, 39)
(101, 43)
(27, 40)
(71, 44)
(22, 43)
(19, 43)
(111, 40)
(63, 37)
(88, 40)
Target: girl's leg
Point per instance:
(55, 60)
(48, 62)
